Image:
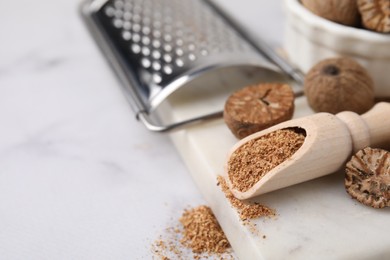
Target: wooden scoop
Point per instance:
(330, 141)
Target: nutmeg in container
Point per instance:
(375, 15)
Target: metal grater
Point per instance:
(158, 46)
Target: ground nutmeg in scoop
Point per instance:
(250, 162)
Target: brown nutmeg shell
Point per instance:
(254, 108)
(339, 84)
(367, 177)
(375, 14)
(339, 11)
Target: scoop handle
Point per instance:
(378, 123)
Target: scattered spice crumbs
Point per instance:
(197, 236)
(245, 209)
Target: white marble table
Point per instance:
(80, 178)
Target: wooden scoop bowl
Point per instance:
(330, 141)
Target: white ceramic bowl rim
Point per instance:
(316, 21)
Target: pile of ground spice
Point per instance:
(250, 162)
(202, 232)
(245, 209)
(197, 235)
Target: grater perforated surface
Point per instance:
(163, 40)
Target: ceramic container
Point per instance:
(310, 38)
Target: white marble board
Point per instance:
(314, 219)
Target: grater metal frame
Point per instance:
(89, 8)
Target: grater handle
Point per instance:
(154, 127)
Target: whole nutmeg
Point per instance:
(256, 107)
(339, 11)
(339, 84)
(375, 14)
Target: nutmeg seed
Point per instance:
(339, 84)
(375, 14)
(339, 11)
(257, 107)
(367, 177)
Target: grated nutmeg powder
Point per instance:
(250, 162)
(198, 236)
(245, 209)
(202, 232)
